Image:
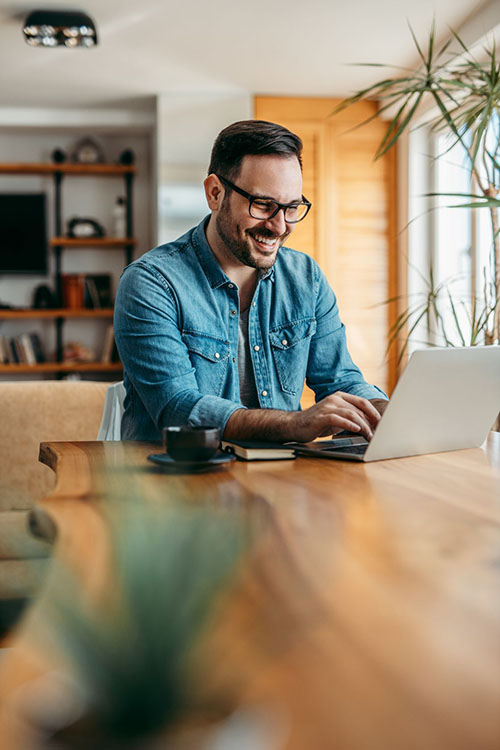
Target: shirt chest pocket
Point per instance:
(290, 347)
(209, 356)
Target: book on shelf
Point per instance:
(24, 349)
(109, 350)
(38, 347)
(92, 301)
(14, 352)
(72, 290)
(27, 349)
(4, 351)
(249, 450)
(98, 291)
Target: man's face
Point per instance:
(255, 242)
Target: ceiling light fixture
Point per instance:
(59, 28)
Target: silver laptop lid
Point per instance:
(446, 399)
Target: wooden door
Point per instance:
(350, 230)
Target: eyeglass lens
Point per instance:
(264, 209)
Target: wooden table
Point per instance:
(390, 569)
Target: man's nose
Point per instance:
(277, 224)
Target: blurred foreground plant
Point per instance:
(134, 659)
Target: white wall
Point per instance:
(187, 125)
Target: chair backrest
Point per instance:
(111, 423)
(37, 411)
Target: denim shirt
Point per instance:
(176, 328)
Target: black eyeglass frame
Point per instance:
(251, 198)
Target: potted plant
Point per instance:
(465, 93)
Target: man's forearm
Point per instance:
(261, 424)
(333, 414)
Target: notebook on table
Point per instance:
(446, 399)
(250, 450)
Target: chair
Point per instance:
(33, 412)
(110, 428)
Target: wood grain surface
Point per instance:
(375, 589)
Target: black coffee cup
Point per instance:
(191, 443)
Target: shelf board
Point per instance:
(31, 313)
(92, 241)
(69, 169)
(61, 367)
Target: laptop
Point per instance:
(446, 399)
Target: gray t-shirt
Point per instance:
(248, 391)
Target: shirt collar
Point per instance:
(209, 262)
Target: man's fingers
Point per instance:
(362, 424)
(363, 405)
(351, 421)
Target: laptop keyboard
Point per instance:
(359, 450)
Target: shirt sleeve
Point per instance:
(156, 360)
(330, 367)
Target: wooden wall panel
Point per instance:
(350, 228)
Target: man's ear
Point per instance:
(214, 192)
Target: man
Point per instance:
(222, 326)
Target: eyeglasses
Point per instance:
(265, 208)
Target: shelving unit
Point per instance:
(60, 367)
(29, 312)
(92, 242)
(59, 243)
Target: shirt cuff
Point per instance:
(212, 411)
(368, 391)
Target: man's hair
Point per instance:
(251, 138)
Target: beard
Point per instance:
(239, 243)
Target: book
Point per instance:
(92, 301)
(258, 451)
(37, 347)
(27, 347)
(108, 346)
(263, 451)
(72, 288)
(14, 352)
(4, 351)
(98, 290)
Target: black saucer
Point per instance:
(190, 467)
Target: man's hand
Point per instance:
(380, 404)
(335, 413)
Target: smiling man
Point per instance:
(223, 326)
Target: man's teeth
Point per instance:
(265, 240)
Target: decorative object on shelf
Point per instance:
(44, 298)
(73, 290)
(120, 217)
(74, 351)
(127, 157)
(58, 156)
(60, 28)
(80, 226)
(87, 151)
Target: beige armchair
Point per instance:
(32, 412)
